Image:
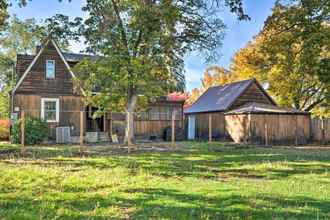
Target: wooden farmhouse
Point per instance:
(45, 89)
(244, 112)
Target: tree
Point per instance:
(195, 94)
(4, 4)
(3, 11)
(142, 44)
(291, 54)
(213, 76)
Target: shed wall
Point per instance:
(281, 128)
(321, 130)
(218, 125)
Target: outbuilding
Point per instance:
(267, 124)
(240, 111)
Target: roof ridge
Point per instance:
(226, 84)
(85, 54)
(240, 81)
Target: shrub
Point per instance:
(36, 131)
(4, 129)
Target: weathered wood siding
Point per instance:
(237, 127)
(69, 115)
(144, 128)
(252, 94)
(321, 130)
(281, 128)
(35, 81)
(218, 126)
(153, 122)
(23, 61)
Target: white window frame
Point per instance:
(53, 61)
(43, 100)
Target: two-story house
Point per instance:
(45, 89)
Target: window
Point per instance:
(50, 109)
(50, 69)
(154, 113)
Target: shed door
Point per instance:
(191, 127)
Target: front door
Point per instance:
(191, 127)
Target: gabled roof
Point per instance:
(76, 57)
(36, 58)
(254, 107)
(221, 98)
(69, 57)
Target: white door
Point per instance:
(191, 127)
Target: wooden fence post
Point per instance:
(322, 131)
(173, 129)
(266, 134)
(249, 139)
(104, 122)
(81, 130)
(110, 124)
(210, 128)
(296, 131)
(129, 141)
(23, 132)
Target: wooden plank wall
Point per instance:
(218, 126)
(317, 134)
(70, 107)
(252, 94)
(237, 126)
(281, 129)
(35, 81)
(145, 128)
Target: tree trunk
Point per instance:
(129, 132)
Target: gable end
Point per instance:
(33, 79)
(253, 93)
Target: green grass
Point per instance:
(197, 181)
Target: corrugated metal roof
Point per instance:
(254, 107)
(219, 98)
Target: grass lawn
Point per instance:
(197, 181)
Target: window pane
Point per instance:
(50, 110)
(154, 113)
(50, 115)
(50, 69)
(49, 105)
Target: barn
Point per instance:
(240, 111)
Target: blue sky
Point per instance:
(238, 33)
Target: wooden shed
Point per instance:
(218, 100)
(258, 123)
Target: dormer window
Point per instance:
(50, 69)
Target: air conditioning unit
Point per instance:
(63, 135)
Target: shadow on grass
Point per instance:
(154, 203)
(201, 161)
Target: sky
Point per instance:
(237, 33)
